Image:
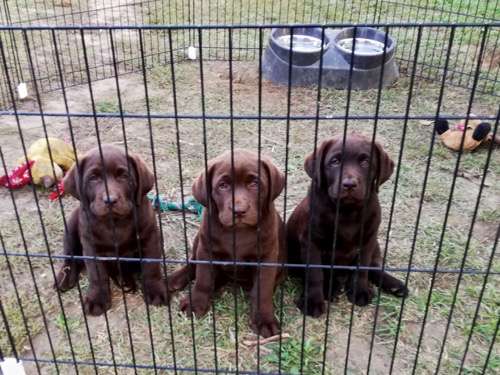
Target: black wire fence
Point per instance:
(460, 72)
(124, 78)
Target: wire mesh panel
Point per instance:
(86, 13)
(464, 53)
(245, 42)
(439, 208)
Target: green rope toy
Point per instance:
(164, 205)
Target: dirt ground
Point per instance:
(173, 335)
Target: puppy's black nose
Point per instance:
(110, 199)
(349, 183)
(240, 211)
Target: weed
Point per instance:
(291, 354)
(106, 107)
(62, 322)
(489, 215)
(388, 317)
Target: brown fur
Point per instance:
(104, 225)
(215, 237)
(310, 237)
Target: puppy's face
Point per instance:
(111, 184)
(245, 186)
(244, 183)
(349, 174)
(120, 184)
(351, 186)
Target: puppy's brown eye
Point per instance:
(223, 186)
(93, 178)
(123, 174)
(254, 183)
(334, 162)
(364, 161)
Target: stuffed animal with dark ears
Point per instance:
(476, 133)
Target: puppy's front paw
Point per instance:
(314, 307)
(198, 307)
(265, 326)
(399, 290)
(96, 303)
(66, 278)
(155, 293)
(178, 280)
(361, 297)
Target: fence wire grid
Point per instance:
(113, 72)
(460, 72)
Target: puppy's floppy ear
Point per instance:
(314, 162)
(276, 179)
(72, 181)
(200, 190)
(145, 178)
(385, 165)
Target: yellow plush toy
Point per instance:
(41, 170)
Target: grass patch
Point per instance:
(301, 136)
(489, 215)
(476, 367)
(291, 354)
(16, 324)
(67, 323)
(107, 107)
(388, 317)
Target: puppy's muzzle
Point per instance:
(349, 184)
(240, 210)
(110, 200)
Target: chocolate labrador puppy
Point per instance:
(104, 225)
(224, 221)
(341, 181)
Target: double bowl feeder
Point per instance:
(301, 50)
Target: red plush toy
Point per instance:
(48, 159)
(19, 176)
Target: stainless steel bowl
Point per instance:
(306, 44)
(301, 43)
(363, 46)
(368, 46)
